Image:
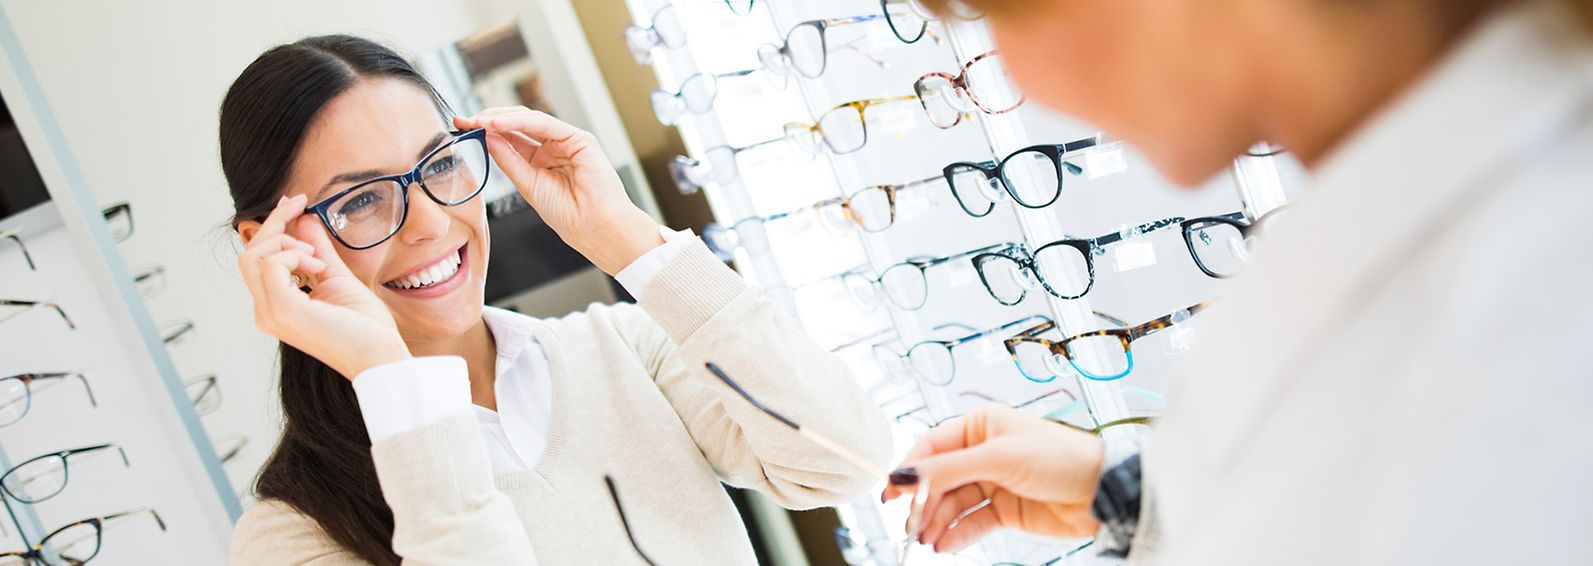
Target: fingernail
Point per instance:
(282, 200)
(904, 476)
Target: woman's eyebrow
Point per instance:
(357, 176)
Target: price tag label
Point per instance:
(1103, 161)
(1180, 338)
(1134, 254)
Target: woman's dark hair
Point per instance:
(322, 467)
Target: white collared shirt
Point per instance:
(404, 395)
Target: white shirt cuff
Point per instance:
(409, 394)
(640, 273)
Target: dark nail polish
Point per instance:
(904, 476)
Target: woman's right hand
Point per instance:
(1040, 477)
(340, 321)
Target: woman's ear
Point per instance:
(247, 229)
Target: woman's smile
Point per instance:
(435, 278)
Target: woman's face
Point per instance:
(1160, 74)
(380, 127)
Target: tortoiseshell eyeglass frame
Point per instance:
(959, 84)
(36, 554)
(849, 212)
(1125, 335)
(30, 305)
(794, 130)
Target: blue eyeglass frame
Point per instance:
(404, 180)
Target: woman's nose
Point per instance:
(426, 220)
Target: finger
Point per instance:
(538, 125)
(287, 209)
(511, 162)
(990, 462)
(940, 512)
(951, 435)
(969, 530)
(313, 233)
(276, 296)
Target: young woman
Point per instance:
(1385, 383)
(424, 428)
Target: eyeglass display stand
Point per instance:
(142, 406)
(902, 147)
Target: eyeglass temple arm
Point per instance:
(835, 448)
(625, 522)
(1002, 328)
(1140, 230)
(25, 255)
(158, 521)
(86, 389)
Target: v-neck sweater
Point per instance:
(631, 400)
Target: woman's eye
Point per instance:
(442, 164)
(360, 203)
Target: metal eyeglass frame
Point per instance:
(823, 26)
(660, 96)
(922, 264)
(795, 129)
(951, 346)
(64, 456)
(28, 379)
(36, 554)
(959, 85)
(1088, 248)
(9, 235)
(404, 180)
(994, 172)
(1126, 335)
(28, 306)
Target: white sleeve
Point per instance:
(408, 394)
(640, 273)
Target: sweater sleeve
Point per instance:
(446, 508)
(706, 312)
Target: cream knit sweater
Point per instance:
(630, 399)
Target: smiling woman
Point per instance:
(385, 348)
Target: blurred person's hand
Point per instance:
(1040, 477)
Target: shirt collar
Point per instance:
(511, 331)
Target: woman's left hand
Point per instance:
(562, 172)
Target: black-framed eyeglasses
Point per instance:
(17, 239)
(365, 215)
(1102, 355)
(205, 393)
(16, 392)
(805, 51)
(150, 281)
(695, 95)
(45, 476)
(1032, 176)
(663, 31)
(1064, 268)
(625, 522)
(934, 361)
(75, 543)
(904, 284)
(1221, 245)
(29, 306)
(719, 166)
(119, 220)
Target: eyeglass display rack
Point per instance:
(160, 458)
(1139, 279)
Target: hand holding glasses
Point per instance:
(696, 95)
(983, 85)
(1032, 176)
(664, 31)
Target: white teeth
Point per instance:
(436, 273)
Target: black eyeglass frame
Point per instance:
(991, 170)
(412, 177)
(66, 476)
